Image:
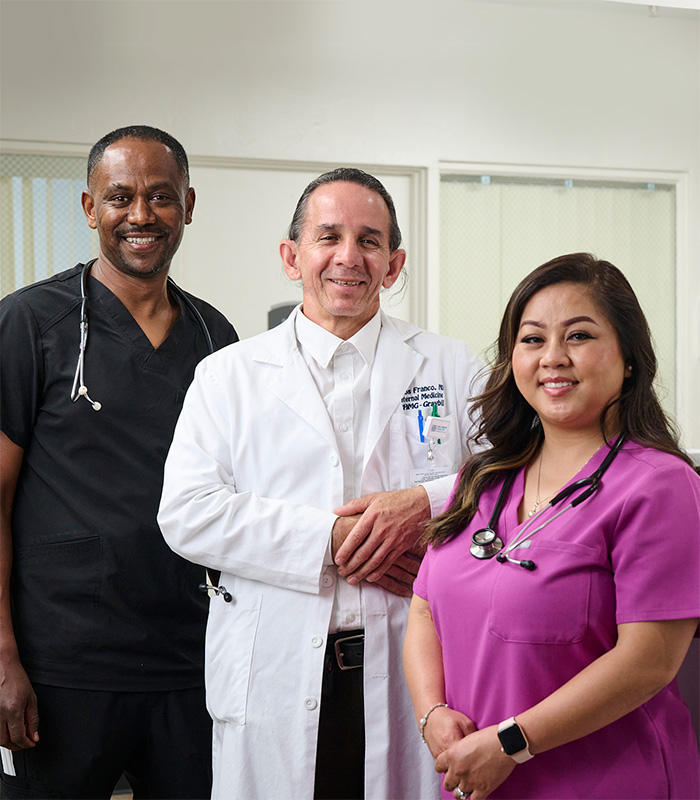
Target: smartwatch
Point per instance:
(513, 741)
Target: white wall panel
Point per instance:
(229, 254)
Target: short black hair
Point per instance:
(349, 175)
(145, 133)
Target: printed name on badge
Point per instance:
(424, 397)
(418, 476)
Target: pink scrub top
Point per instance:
(510, 637)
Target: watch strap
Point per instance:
(521, 754)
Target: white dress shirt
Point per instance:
(341, 370)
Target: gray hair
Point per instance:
(349, 175)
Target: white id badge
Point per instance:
(437, 428)
(427, 474)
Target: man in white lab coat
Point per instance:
(303, 651)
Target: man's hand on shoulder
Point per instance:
(19, 717)
(390, 526)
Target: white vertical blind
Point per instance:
(495, 230)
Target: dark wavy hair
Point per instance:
(349, 175)
(145, 133)
(505, 421)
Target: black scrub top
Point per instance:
(99, 600)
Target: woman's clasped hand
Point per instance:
(475, 762)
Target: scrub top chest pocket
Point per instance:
(549, 605)
(429, 456)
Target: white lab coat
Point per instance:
(250, 483)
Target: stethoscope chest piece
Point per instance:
(485, 543)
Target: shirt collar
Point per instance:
(322, 344)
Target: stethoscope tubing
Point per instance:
(494, 545)
(79, 389)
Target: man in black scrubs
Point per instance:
(101, 624)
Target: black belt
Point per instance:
(345, 651)
(348, 647)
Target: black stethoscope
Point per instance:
(79, 388)
(486, 543)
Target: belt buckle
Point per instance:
(359, 637)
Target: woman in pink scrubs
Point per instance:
(550, 672)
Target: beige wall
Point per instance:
(576, 83)
(374, 82)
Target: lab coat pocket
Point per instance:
(410, 464)
(231, 632)
(548, 605)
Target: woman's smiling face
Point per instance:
(567, 362)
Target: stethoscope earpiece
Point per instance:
(218, 591)
(83, 392)
(525, 564)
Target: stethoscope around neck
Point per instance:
(79, 388)
(486, 543)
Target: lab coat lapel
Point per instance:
(294, 385)
(396, 364)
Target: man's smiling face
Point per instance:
(343, 257)
(139, 201)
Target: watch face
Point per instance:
(512, 740)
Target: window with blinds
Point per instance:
(42, 226)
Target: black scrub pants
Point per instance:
(160, 740)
